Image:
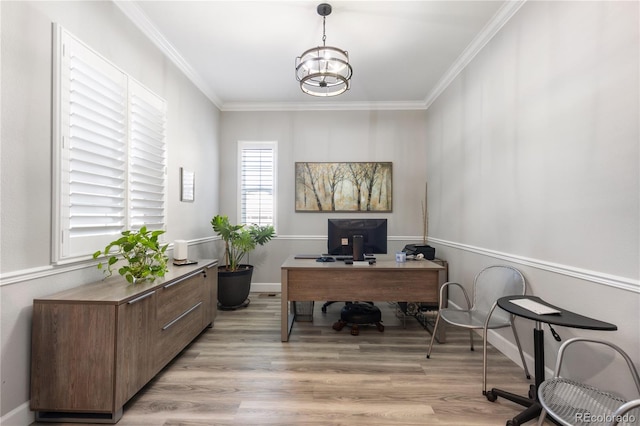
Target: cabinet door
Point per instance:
(136, 332)
(211, 285)
(72, 357)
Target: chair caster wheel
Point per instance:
(513, 423)
(339, 325)
(492, 397)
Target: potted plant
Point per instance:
(234, 278)
(145, 257)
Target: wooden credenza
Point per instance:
(94, 346)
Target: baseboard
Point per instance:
(19, 416)
(265, 287)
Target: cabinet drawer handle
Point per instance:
(214, 264)
(144, 296)
(181, 316)
(193, 274)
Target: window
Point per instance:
(110, 169)
(257, 181)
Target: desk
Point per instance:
(385, 280)
(565, 319)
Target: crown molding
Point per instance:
(496, 23)
(323, 106)
(140, 19)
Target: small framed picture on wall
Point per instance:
(187, 185)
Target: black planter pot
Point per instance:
(234, 287)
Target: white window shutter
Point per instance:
(257, 165)
(110, 150)
(93, 178)
(147, 159)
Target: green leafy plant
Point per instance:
(240, 239)
(145, 257)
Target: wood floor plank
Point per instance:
(240, 373)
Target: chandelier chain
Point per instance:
(324, 35)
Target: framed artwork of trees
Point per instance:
(343, 187)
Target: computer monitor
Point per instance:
(340, 234)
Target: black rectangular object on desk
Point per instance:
(358, 246)
(427, 251)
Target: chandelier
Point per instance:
(324, 70)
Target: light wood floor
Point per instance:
(239, 373)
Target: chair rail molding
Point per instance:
(622, 283)
(87, 262)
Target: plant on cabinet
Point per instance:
(144, 255)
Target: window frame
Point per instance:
(68, 247)
(257, 145)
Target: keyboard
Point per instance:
(343, 257)
(349, 257)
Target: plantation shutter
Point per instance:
(257, 182)
(93, 112)
(147, 159)
(110, 173)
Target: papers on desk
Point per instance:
(535, 307)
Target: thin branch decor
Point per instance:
(343, 187)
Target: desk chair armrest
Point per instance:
(565, 345)
(486, 321)
(443, 289)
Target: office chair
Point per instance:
(489, 285)
(324, 307)
(570, 402)
(331, 302)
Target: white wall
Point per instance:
(532, 159)
(395, 136)
(193, 124)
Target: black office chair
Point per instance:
(331, 302)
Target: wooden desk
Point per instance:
(386, 280)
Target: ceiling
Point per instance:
(241, 54)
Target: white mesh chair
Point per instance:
(489, 285)
(570, 402)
